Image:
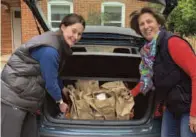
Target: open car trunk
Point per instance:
(103, 68)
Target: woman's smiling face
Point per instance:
(148, 26)
(72, 33)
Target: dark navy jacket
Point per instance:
(172, 84)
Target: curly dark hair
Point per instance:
(134, 16)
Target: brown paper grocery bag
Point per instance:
(80, 108)
(73, 111)
(83, 109)
(114, 84)
(84, 85)
(105, 106)
(124, 103)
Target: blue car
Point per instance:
(105, 53)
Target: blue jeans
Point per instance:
(172, 127)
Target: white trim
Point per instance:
(115, 4)
(58, 2)
(12, 29)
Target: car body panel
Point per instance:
(149, 130)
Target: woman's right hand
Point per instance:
(64, 107)
(192, 123)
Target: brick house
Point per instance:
(18, 24)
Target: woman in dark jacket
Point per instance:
(168, 68)
(33, 69)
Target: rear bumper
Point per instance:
(150, 130)
(56, 135)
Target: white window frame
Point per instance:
(115, 4)
(50, 3)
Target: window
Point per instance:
(57, 10)
(114, 14)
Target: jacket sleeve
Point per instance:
(48, 59)
(136, 90)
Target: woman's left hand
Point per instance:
(192, 123)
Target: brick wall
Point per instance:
(29, 28)
(132, 5)
(44, 7)
(6, 34)
(6, 26)
(83, 7)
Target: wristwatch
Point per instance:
(59, 102)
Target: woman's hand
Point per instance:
(130, 92)
(192, 123)
(64, 107)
